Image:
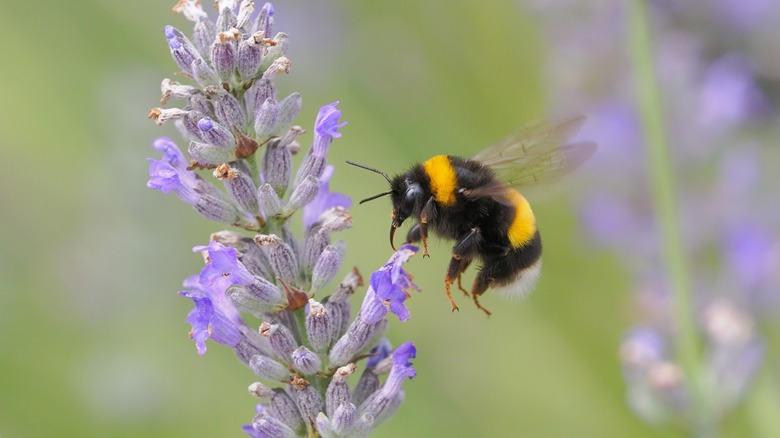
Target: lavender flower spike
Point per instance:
(238, 133)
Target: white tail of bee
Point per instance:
(523, 283)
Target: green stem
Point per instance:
(663, 187)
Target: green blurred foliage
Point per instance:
(92, 332)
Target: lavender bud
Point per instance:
(265, 19)
(276, 51)
(260, 296)
(337, 393)
(251, 344)
(344, 418)
(282, 257)
(309, 402)
(203, 74)
(245, 11)
(258, 390)
(363, 426)
(216, 134)
(259, 92)
(340, 312)
(240, 186)
(250, 55)
(268, 368)
(207, 154)
(227, 18)
(189, 123)
(366, 385)
(255, 260)
(227, 108)
(319, 327)
(306, 361)
(182, 50)
(311, 166)
(304, 193)
(282, 340)
(271, 427)
(324, 426)
(355, 340)
(200, 106)
(316, 242)
(277, 166)
(217, 209)
(283, 408)
(289, 108)
(269, 200)
(203, 35)
(265, 118)
(326, 268)
(223, 53)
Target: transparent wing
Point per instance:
(537, 152)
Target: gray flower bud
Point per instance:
(366, 385)
(343, 418)
(284, 408)
(357, 337)
(269, 200)
(223, 53)
(240, 186)
(207, 154)
(276, 51)
(254, 97)
(250, 55)
(306, 361)
(324, 426)
(203, 36)
(309, 403)
(217, 209)
(268, 368)
(326, 268)
(265, 118)
(203, 74)
(277, 166)
(281, 339)
(216, 134)
(227, 108)
(289, 108)
(304, 193)
(282, 257)
(337, 393)
(319, 327)
(258, 390)
(271, 427)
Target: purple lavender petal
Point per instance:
(166, 178)
(391, 281)
(223, 269)
(212, 317)
(326, 128)
(324, 200)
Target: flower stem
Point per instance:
(663, 188)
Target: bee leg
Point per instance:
(427, 211)
(457, 266)
(460, 286)
(481, 284)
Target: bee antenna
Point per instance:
(375, 171)
(371, 198)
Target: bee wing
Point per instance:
(537, 152)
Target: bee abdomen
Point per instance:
(523, 227)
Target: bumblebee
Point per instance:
(475, 202)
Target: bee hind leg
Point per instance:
(456, 268)
(478, 289)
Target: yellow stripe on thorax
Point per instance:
(443, 179)
(523, 227)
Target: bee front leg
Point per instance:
(426, 213)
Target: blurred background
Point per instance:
(92, 334)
